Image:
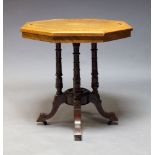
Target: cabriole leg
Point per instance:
(94, 96)
(59, 97)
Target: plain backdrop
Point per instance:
(29, 81)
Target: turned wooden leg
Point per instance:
(59, 97)
(94, 83)
(59, 84)
(76, 94)
(94, 96)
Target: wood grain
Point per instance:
(76, 30)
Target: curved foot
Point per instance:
(78, 137)
(42, 117)
(58, 100)
(109, 122)
(109, 115)
(45, 123)
(77, 122)
(112, 123)
(94, 98)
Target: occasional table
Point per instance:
(76, 31)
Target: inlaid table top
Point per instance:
(76, 30)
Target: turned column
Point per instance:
(59, 84)
(94, 83)
(76, 93)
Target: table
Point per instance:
(76, 31)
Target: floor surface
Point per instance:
(24, 100)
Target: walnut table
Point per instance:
(76, 31)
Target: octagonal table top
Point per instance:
(76, 30)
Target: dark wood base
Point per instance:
(85, 97)
(77, 96)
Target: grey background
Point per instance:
(29, 81)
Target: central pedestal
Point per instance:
(83, 96)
